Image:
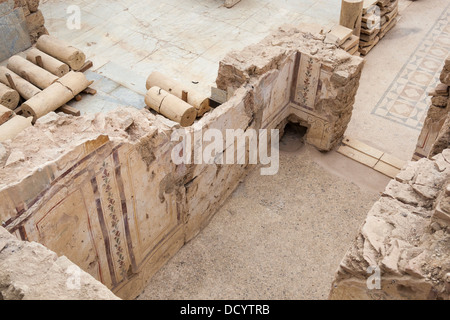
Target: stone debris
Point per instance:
(338, 35)
(435, 135)
(406, 236)
(379, 16)
(30, 271)
(33, 17)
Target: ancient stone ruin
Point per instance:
(94, 204)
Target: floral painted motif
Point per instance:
(111, 205)
(307, 81)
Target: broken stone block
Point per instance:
(15, 157)
(440, 101)
(404, 239)
(441, 89)
(338, 34)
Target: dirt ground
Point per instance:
(277, 237)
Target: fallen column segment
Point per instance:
(11, 128)
(23, 87)
(62, 51)
(194, 98)
(170, 106)
(52, 65)
(58, 94)
(39, 77)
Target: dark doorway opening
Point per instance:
(293, 138)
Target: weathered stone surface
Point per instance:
(443, 139)
(435, 135)
(21, 22)
(15, 157)
(33, 5)
(104, 191)
(29, 271)
(3, 155)
(406, 237)
(440, 101)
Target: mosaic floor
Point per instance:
(406, 101)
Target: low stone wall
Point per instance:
(29, 271)
(104, 191)
(403, 248)
(435, 135)
(21, 24)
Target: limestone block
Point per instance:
(15, 36)
(33, 5)
(442, 141)
(30, 271)
(401, 237)
(35, 21)
(435, 134)
(23, 5)
(445, 77)
(440, 101)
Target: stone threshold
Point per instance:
(371, 157)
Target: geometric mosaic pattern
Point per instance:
(406, 101)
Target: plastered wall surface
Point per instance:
(103, 190)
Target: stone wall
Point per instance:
(103, 189)
(406, 237)
(324, 81)
(21, 24)
(435, 135)
(29, 271)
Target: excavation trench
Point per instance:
(104, 189)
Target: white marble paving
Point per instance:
(186, 39)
